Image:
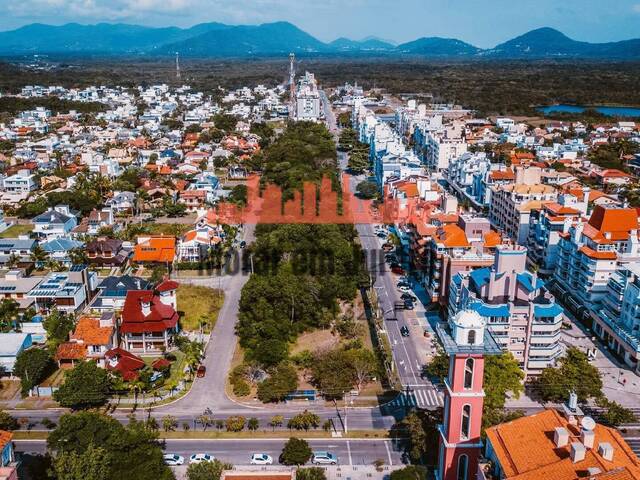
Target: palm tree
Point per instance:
(38, 256)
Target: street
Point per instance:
(238, 451)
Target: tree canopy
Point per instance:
(295, 452)
(32, 367)
(85, 386)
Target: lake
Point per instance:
(609, 111)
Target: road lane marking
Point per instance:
(349, 452)
(386, 445)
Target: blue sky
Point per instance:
(481, 22)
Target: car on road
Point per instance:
(202, 371)
(261, 459)
(243, 244)
(404, 289)
(402, 283)
(381, 234)
(404, 331)
(397, 269)
(173, 459)
(408, 304)
(201, 457)
(408, 296)
(324, 458)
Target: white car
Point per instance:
(173, 459)
(324, 458)
(201, 457)
(404, 289)
(261, 459)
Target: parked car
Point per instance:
(202, 371)
(201, 457)
(324, 458)
(173, 459)
(397, 269)
(402, 283)
(408, 304)
(243, 244)
(404, 331)
(408, 296)
(404, 289)
(261, 459)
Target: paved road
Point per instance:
(238, 451)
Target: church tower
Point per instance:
(466, 341)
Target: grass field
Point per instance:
(196, 303)
(14, 230)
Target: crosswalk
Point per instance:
(419, 398)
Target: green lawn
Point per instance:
(196, 302)
(14, 230)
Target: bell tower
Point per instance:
(467, 341)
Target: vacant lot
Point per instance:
(199, 306)
(14, 230)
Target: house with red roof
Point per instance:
(149, 319)
(155, 249)
(90, 340)
(125, 363)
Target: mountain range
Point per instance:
(218, 40)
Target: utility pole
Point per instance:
(178, 75)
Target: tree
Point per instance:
(439, 365)
(271, 352)
(78, 256)
(224, 121)
(410, 472)
(8, 314)
(169, 423)
(418, 434)
(38, 255)
(32, 367)
(283, 381)
(502, 374)
(573, 374)
(92, 464)
(132, 451)
(332, 373)
(85, 386)
(253, 424)
(276, 421)
(363, 365)
(311, 473)
(207, 470)
(304, 421)
(615, 414)
(295, 452)
(7, 422)
(58, 325)
(235, 423)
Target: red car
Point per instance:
(202, 371)
(397, 270)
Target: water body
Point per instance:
(609, 111)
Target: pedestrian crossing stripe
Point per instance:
(418, 398)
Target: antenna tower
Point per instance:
(178, 76)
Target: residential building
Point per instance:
(112, 292)
(193, 200)
(11, 344)
(195, 245)
(559, 446)
(66, 291)
(8, 468)
(108, 252)
(22, 182)
(149, 319)
(521, 314)
(54, 223)
(617, 322)
(90, 340)
(155, 249)
(307, 99)
(59, 249)
(92, 223)
(545, 227)
(512, 204)
(438, 146)
(15, 286)
(590, 252)
(19, 249)
(122, 202)
(123, 362)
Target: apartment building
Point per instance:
(617, 323)
(521, 314)
(511, 206)
(589, 253)
(437, 147)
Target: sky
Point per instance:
(483, 23)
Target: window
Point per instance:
(468, 373)
(463, 466)
(471, 339)
(465, 425)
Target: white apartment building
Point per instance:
(22, 182)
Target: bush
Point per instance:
(283, 380)
(241, 388)
(7, 422)
(304, 421)
(311, 473)
(235, 423)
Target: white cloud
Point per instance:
(636, 8)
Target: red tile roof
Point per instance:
(160, 318)
(127, 363)
(5, 437)
(156, 249)
(167, 285)
(89, 331)
(71, 351)
(526, 450)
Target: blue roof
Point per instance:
(547, 310)
(61, 245)
(480, 276)
(457, 279)
(490, 310)
(525, 280)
